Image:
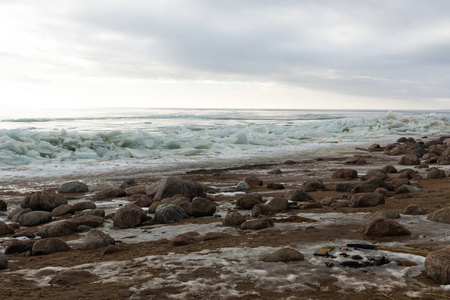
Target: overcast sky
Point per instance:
(226, 54)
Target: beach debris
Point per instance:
(51, 245)
(73, 187)
(129, 216)
(96, 239)
(441, 215)
(437, 265)
(283, 255)
(44, 201)
(257, 224)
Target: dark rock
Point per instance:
(110, 193)
(184, 239)
(201, 207)
(152, 208)
(47, 246)
(419, 152)
(3, 205)
(398, 150)
(402, 140)
(374, 148)
(283, 255)
(127, 183)
(6, 229)
(345, 173)
(436, 173)
(129, 216)
(256, 224)
(313, 185)
(3, 262)
(289, 162)
(297, 196)
(389, 169)
(26, 233)
(277, 204)
(59, 228)
(17, 246)
(73, 187)
(247, 201)
(243, 187)
(141, 200)
(442, 215)
(409, 173)
(275, 186)
(83, 228)
(169, 187)
(397, 182)
(382, 191)
(91, 221)
(215, 236)
(233, 218)
(275, 171)
(63, 210)
(261, 209)
(43, 201)
(312, 205)
(168, 213)
(414, 209)
(82, 205)
(91, 212)
(409, 160)
(437, 266)
(327, 201)
(97, 239)
(344, 187)
(367, 200)
(35, 218)
(253, 181)
(382, 226)
(137, 189)
(355, 160)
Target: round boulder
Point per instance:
(233, 218)
(97, 239)
(35, 218)
(82, 205)
(201, 207)
(47, 246)
(6, 229)
(437, 266)
(46, 201)
(168, 213)
(442, 215)
(129, 216)
(382, 226)
(59, 228)
(63, 210)
(73, 187)
(367, 200)
(257, 224)
(247, 202)
(313, 185)
(3, 261)
(345, 174)
(277, 204)
(414, 209)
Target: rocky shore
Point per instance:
(362, 223)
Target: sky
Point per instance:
(226, 54)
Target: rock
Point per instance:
(63, 210)
(141, 200)
(184, 239)
(398, 150)
(253, 181)
(169, 187)
(367, 200)
(129, 216)
(389, 169)
(383, 192)
(47, 246)
(382, 226)
(414, 209)
(201, 207)
(289, 162)
(96, 239)
(215, 236)
(398, 182)
(370, 185)
(345, 173)
(327, 201)
(83, 228)
(6, 229)
(44, 201)
(26, 233)
(180, 201)
(73, 278)
(153, 206)
(261, 209)
(3, 262)
(409, 173)
(233, 218)
(409, 159)
(3, 205)
(313, 185)
(437, 266)
(442, 215)
(73, 187)
(283, 255)
(257, 224)
(402, 140)
(35, 218)
(275, 171)
(311, 205)
(18, 246)
(390, 214)
(344, 187)
(243, 186)
(277, 204)
(374, 148)
(404, 189)
(127, 183)
(59, 228)
(168, 213)
(355, 160)
(91, 221)
(91, 212)
(82, 205)
(110, 193)
(436, 173)
(275, 186)
(419, 152)
(298, 196)
(136, 189)
(247, 202)
(111, 249)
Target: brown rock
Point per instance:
(355, 160)
(110, 193)
(247, 201)
(141, 200)
(153, 206)
(298, 196)
(277, 204)
(390, 214)
(96, 239)
(397, 182)
(73, 278)
(327, 201)
(233, 218)
(129, 216)
(261, 209)
(59, 228)
(6, 229)
(414, 209)
(275, 186)
(436, 173)
(136, 189)
(47, 246)
(409, 159)
(253, 181)
(169, 187)
(313, 185)
(91, 221)
(82, 205)
(367, 200)
(389, 169)
(345, 173)
(17, 246)
(437, 266)
(382, 226)
(43, 201)
(275, 171)
(257, 224)
(442, 215)
(3, 205)
(283, 255)
(312, 205)
(215, 236)
(63, 210)
(383, 192)
(374, 148)
(184, 239)
(201, 207)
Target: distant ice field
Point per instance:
(171, 138)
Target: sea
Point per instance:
(39, 142)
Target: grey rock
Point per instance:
(243, 187)
(46, 201)
(73, 187)
(129, 216)
(414, 209)
(97, 239)
(47, 246)
(442, 215)
(168, 213)
(59, 228)
(35, 218)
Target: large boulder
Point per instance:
(6, 229)
(169, 187)
(233, 218)
(409, 159)
(201, 207)
(243, 186)
(43, 200)
(3, 261)
(253, 181)
(59, 228)
(345, 174)
(344, 187)
(257, 224)
(35, 218)
(313, 185)
(168, 213)
(442, 215)
(283, 255)
(277, 204)
(367, 200)
(47, 246)
(437, 265)
(110, 193)
(63, 210)
(82, 205)
(247, 201)
(382, 226)
(73, 187)
(129, 216)
(97, 239)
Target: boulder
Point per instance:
(233, 218)
(277, 204)
(313, 185)
(409, 173)
(355, 160)
(311, 205)
(398, 182)
(136, 189)
(73, 187)
(374, 148)
(168, 213)
(371, 184)
(257, 224)
(283, 255)
(275, 186)
(345, 174)
(261, 209)
(243, 186)
(128, 183)
(18, 246)
(436, 173)
(344, 187)
(91, 212)
(382, 226)
(367, 200)
(383, 192)
(442, 215)
(247, 201)
(141, 200)
(275, 171)
(3, 262)
(169, 187)
(298, 196)
(63, 210)
(35, 218)
(398, 150)
(414, 209)
(59, 228)
(185, 239)
(51, 245)
(389, 169)
(96, 239)
(44, 201)
(201, 207)
(3, 205)
(437, 266)
(153, 206)
(129, 216)
(409, 159)
(110, 193)
(253, 181)
(73, 278)
(215, 236)
(91, 221)
(82, 205)
(328, 201)
(6, 229)
(390, 214)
